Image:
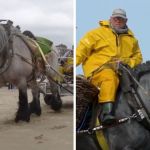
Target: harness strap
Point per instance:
(101, 127)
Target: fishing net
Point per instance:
(86, 93)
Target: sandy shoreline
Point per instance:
(49, 131)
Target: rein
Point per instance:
(101, 127)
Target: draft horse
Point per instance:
(132, 135)
(17, 66)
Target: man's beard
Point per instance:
(119, 30)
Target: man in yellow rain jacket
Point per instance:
(112, 42)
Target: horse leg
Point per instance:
(23, 111)
(55, 100)
(34, 106)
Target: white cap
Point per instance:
(119, 13)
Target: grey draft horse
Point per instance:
(17, 67)
(131, 135)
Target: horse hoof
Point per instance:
(48, 99)
(56, 105)
(22, 117)
(34, 109)
(17, 120)
(54, 102)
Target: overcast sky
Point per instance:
(49, 18)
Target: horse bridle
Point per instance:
(101, 127)
(134, 90)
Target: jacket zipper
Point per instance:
(117, 45)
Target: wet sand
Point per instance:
(50, 131)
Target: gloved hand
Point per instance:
(122, 64)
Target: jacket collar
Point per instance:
(105, 23)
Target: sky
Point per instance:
(88, 14)
(52, 19)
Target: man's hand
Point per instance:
(122, 64)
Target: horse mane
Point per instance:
(142, 69)
(29, 34)
(3, 37)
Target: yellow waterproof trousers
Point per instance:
(107, 80)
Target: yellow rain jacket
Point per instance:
(102, 45)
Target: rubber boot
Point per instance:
(107, 117)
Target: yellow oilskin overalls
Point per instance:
(100, 46)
